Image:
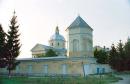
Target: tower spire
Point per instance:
(14, 12)
(57, 30)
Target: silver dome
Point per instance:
(57, 36)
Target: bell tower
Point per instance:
(80, 39)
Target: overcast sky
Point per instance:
(110, 19)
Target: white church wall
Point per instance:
(103, 68)
(96, 68)
(60, 67)
(58, 44)
(80, 34)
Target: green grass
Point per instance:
(105, 79)
(122, 73)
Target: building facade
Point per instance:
(56, 43)
(80, 39)
(78, 62)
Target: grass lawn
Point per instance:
(105, 79)
(122, 73)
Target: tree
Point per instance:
(127, 49)
(39, 56)
(101, 55)
(113, 57)
(96, 52)
(13, 44)
(121, 56)
(120, 49)
(2, 48)
(50, 53)
(127, 55)
(117, 57)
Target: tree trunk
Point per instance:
(9, 69)
(9, 75)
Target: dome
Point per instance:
(57, 36)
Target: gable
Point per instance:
(38, 47)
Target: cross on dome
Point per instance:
(57, 30)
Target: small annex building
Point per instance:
(75, 60)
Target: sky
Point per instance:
(110, 19)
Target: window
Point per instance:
(29, 68)
(103, 70)
(98, 70)
(84, 44)
(64, 68)
(45, 68)
(75, 45)
(17, 69)
(58, 44)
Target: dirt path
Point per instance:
(126, 79)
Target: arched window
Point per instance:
(89, 45)
(84, 45)
(75, 45)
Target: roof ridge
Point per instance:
(79, 22)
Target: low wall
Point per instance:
(59, 66)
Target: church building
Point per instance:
(56, 43)
(80, 39)
(75, 60)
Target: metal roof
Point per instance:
(79, 22)
(57, 37)
(43, 59)
(41, 47)
(56, 58)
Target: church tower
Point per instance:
(57, 42)
(79, 39)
